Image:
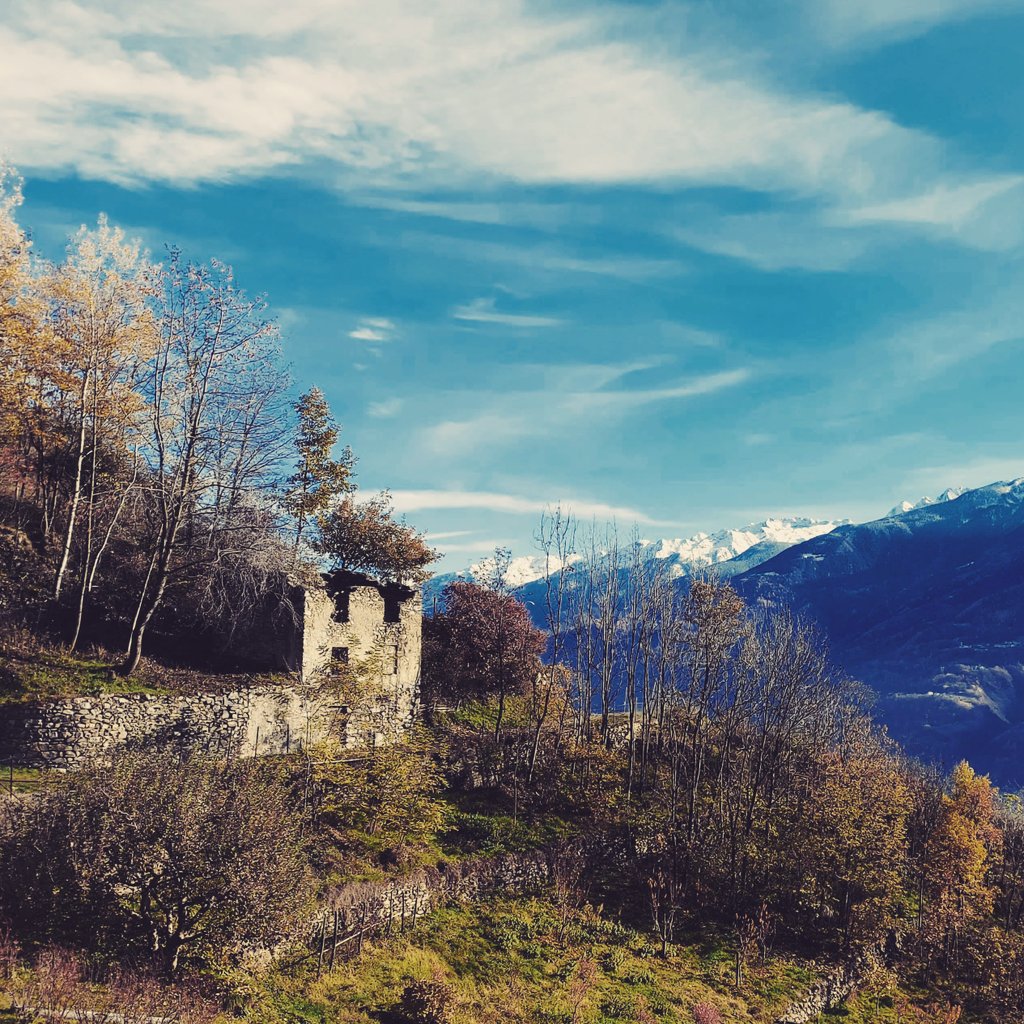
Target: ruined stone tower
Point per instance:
(369, 631)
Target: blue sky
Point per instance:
(685, 264)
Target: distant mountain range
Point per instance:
(925, 606)
(758, 542)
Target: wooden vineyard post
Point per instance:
(334, 941)
(323, 943)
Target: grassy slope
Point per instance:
(22, 780)
(516, 961)
(31, 671)
(891, 1004)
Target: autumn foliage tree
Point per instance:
(186, 859)
(150, 479)
(365, 536)
(24, 338)
(482, 644)
(214, 434)
(961, 851)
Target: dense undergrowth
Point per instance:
(540, 960)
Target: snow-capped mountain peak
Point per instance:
(521, 570)
(683, 554)
(703, 549)
(949, 494)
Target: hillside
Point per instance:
(927, 607)
(924, 605)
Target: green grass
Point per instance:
(887, 1002)
(22, 780)
(45, 674)
(486, 822)
(521, 961)
(31, 671)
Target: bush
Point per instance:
(187, 860)
(428, 1002)
(383, 803)
(706, 1013)
(639, 976)
(493, 833)
(56, 987)
(612, 960)
(618, 1008)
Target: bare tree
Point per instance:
(556, 540)
(101, 312)
(217, 430)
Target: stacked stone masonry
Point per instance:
(832, 988)
(373, 908)
(371, 629)
(241, 723)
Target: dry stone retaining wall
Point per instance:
(835, 986)
(364, 909)
(72, 732)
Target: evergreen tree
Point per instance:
(319, 478)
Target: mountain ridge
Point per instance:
(683, 553)
(925, 606)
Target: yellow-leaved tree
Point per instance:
(101, 311)
(25, 389)
(99, 308)
(963, 847)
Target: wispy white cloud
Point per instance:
(543, 260)
(623, 400)
(205, 91)
(452, 438)
(385, 409)
(448, 535)
(505, 211)
(969, 472)
(373, 328)
(844, 23)
(588, 397)
(943, 205)
(686, 334)
(477, 546)
(987, 213)
(483, 311)
(427, 500)
(780, 240)
(941, 340)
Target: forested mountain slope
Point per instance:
(927, 607)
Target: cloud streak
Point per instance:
(482, 311)
(388, 408)
(845, 24)
(555, 412)
(492, 501)
(373, 329)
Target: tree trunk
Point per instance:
(76, 493)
